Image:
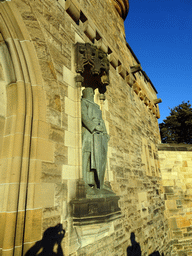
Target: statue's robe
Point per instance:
(93, 142)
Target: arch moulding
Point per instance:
(25, 108)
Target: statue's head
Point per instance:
(88, 93)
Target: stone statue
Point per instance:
(94, 141)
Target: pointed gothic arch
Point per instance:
(21, 87)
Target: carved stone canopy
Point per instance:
(92, 64)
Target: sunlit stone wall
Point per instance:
(176, 164)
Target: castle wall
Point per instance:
(43, 35)
(175, 163)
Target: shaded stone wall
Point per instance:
(176, 164)
(44, 34)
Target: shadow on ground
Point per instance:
(135, 249)
(52, 238)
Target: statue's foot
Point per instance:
(91, 185)
(91, 190)
(106, 189)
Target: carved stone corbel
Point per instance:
(146, 101)
(141, 95)
(158, 112)
(113, 60)
(73, 10)
(136, 88)
(130, 79)
(136, 68)
(157, 101)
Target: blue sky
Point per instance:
(160, 34)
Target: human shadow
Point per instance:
(156, 253)
(51, 237)
(134, 249)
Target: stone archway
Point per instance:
(20, 95)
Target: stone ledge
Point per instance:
(174, 147)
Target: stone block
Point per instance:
(56, 134)
(54, 117)
(183, 222)
(122, 71)
(2, 230)
(51, 173)
(142, 197)
(177, 234)
(89, 30)
(172, 223)
(35, 171)
(69, 172)
(184, 163)
(102, 44)
(183, 169)
(171, 204)
(44, 195)
(8, 252)
(72, 93)
(113, 60)
(78, 38)
(40, 129)
(74, 156)
(40, 107)
(9, 221)
(12, 192)
(33, 225)
(61, 154)
(70, 139)
(168, 182)
(74, 124)
(68, 76)
(72, 9)
(70, 107)
(4, 174)
(42, 149)
(72, 189)
(10, 125)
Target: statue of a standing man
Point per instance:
(94, 141)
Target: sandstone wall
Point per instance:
(176, 164)
(42, 35)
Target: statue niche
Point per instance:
(95, 201)
(93, 66)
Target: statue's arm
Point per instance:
(87, 122)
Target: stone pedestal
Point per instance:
(94, 206)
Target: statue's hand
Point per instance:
(99, 128)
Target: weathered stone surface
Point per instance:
(176, 177)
